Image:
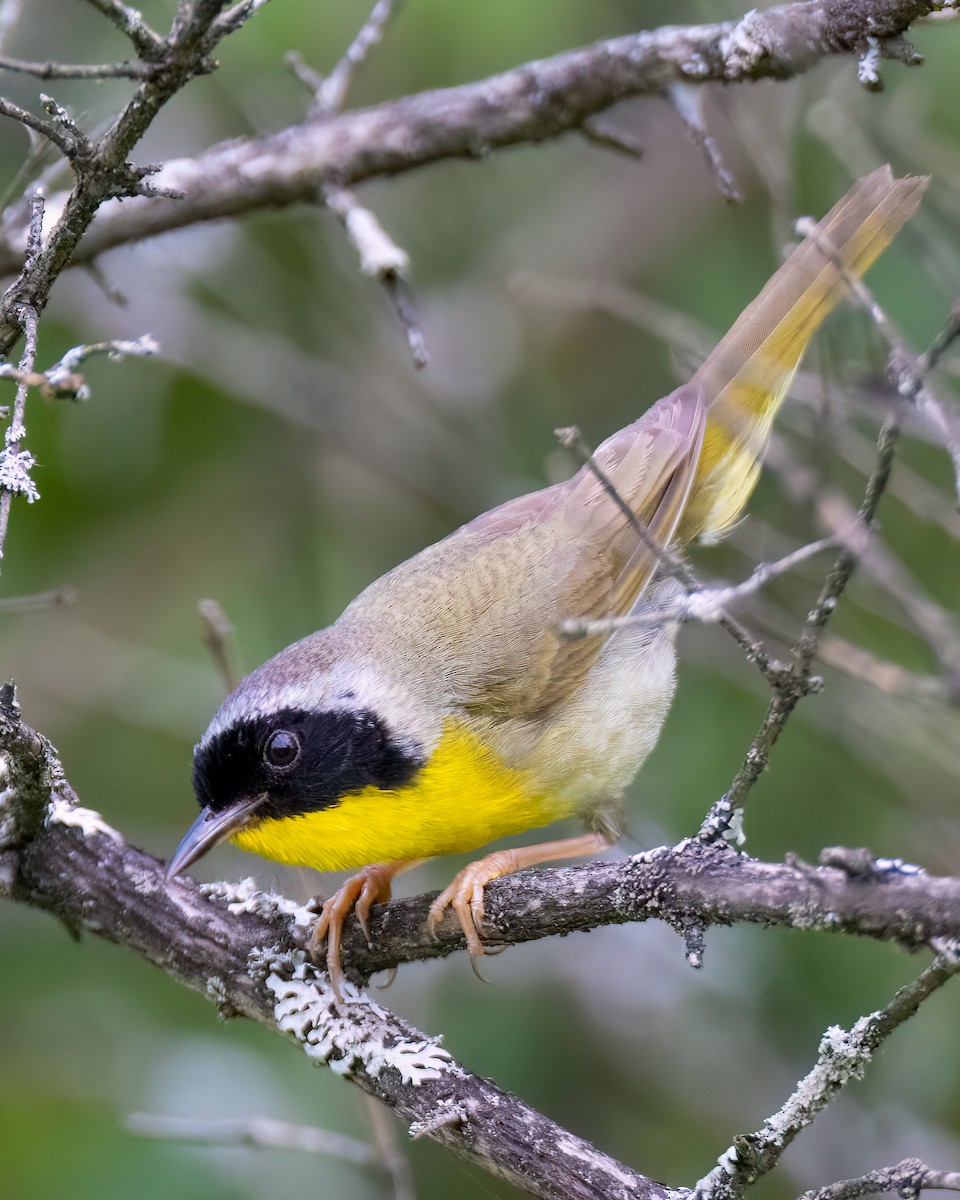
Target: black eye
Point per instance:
(282, 748)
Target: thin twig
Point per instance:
(798, 680)
(932, 621)
(262, 1132)
(671, 564)
(380, 257)
(688, 101)
(233, 18)
(908, 1179)
(301, 70)
(389, 1151)
(39, 600)
(128, 20)
(63, 381)
(15, 461)
(611, 137)
(218, 637)
(908, 371)
(887, 677)
(333, 90)
(844, 1056)
(47, 129)
(707, 605)
(131, 69)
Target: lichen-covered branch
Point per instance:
(244, 950)
(530, 103)
(689, 886)
(909, 1177)
(249, 963)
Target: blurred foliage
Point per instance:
(283, 452)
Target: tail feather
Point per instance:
(745, 379)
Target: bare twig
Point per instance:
(612, 137)
(380, 257)
(886, 676)
(707, 605)
(218, 637)
(843, 1056)
(130, 69)
(15, 461)
(311, 79)
(235, 16)
(332, 91)
(688, 102)
(908, 371)
(39, 600)
(531, 103)
(670, 563)
(798, 680)
(262, 1132)
(63, 381)
(149, 45)
(932, 621)
(47, 129)
(389, 1151)
(908, 1178)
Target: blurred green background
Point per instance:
(283, 452)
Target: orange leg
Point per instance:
(465, 893)
(357, 895)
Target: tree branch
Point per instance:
(531, 103)
(249, 963)
(244, 950)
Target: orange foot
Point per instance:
(465, 894)
(357, 895)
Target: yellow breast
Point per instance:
(463, 798)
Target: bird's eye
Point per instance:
(282, 748)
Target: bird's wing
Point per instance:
(570, 551)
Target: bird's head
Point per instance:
(295, 737)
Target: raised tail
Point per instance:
(744, 380)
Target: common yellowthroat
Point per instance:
(445, 709)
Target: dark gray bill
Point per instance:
(209, 830)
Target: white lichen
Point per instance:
(216, 990)
(585, 1153)
(948, 948)
(15, 467)
(735, 832)
(896, 866)
(86, 820)
(742, 48)
(145, 882)
(8, 825)
(350, 1034)
(728, 1160)
(868, 69)
(245, 897)
(448, 1112)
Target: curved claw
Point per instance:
(356, 895)
(465, 893)
(465, 896)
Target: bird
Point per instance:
(447, 708)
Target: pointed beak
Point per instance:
(209, 830)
